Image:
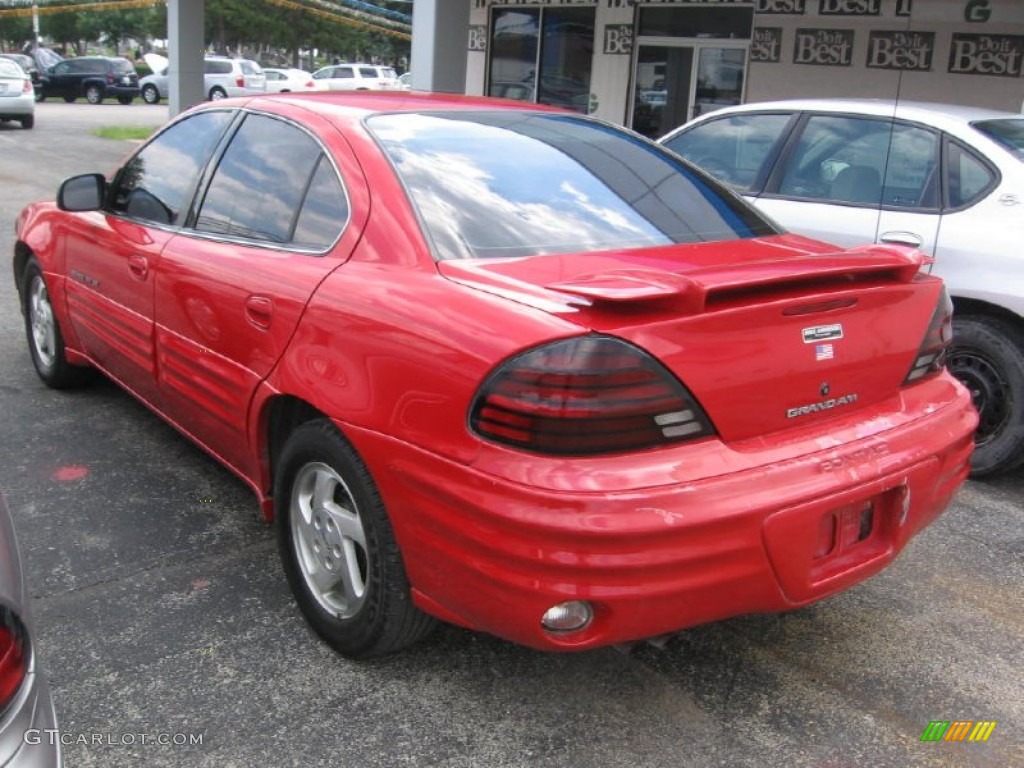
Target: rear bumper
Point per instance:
(673, 538)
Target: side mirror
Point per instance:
(82, 193)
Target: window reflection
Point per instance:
(514, 184)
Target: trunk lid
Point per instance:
(767, 334)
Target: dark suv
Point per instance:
(95, 77)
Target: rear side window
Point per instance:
(217, 67)
(261, 182)
(157, 184)
(324, 212)
(732, 149)
(969, 179)
(369, 72)
(510, 183)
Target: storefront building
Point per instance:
(654, 65)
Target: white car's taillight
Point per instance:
(27, 87)
(931, 358)
(586, 395)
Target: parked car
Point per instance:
(405, 81)
(94, 77)
(288, 80)
(222, 78)
(28, 725)
(28, 65)
(948, 180)
(17, 96)
(504, 365)
(356, 77)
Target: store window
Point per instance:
(542, 55)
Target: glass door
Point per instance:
(674, 82)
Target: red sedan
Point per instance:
(504, 366)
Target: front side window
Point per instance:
(157, 184)
(864, 161)
(502, 184)
(260, 183)
(732, 149)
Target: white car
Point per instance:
(17, 96)
(948, 180)
(286, 80)
(223, 77)
(356, 77)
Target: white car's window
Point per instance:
(1009, 133)
(968, 178)
(367, 72)
(733, 148)
(10, 69)
(864, 161)
(343, 72)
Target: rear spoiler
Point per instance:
(703, 286)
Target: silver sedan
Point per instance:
(17, 96)
(946, 179)
(28, 725)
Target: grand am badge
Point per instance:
(821, 405)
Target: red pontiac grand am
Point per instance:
(504, 366)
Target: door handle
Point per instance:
(259, 310)
(912, 239)
(138, 266)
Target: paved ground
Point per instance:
(161, 609)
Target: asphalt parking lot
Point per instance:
(162, 611)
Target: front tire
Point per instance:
(93, 94)
(987, 355)
(45, 341)
(150, 94)
(338, 549)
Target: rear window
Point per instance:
(123, 67)
(1009, 133)
(510, 183)
(10, 69)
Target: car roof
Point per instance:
(931, 113)
(358, 104)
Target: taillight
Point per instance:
(14, 655)
(931, 358)
(240, 81)
(27, 87)
(310, 84)
(110, 78)
(586, 395)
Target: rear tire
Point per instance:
(28, 121)
(217, 93)
(987, 355)
(338, 549)
(45, 341)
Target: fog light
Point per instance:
(567, 617)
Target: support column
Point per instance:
(186, 44)
(440, 38)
